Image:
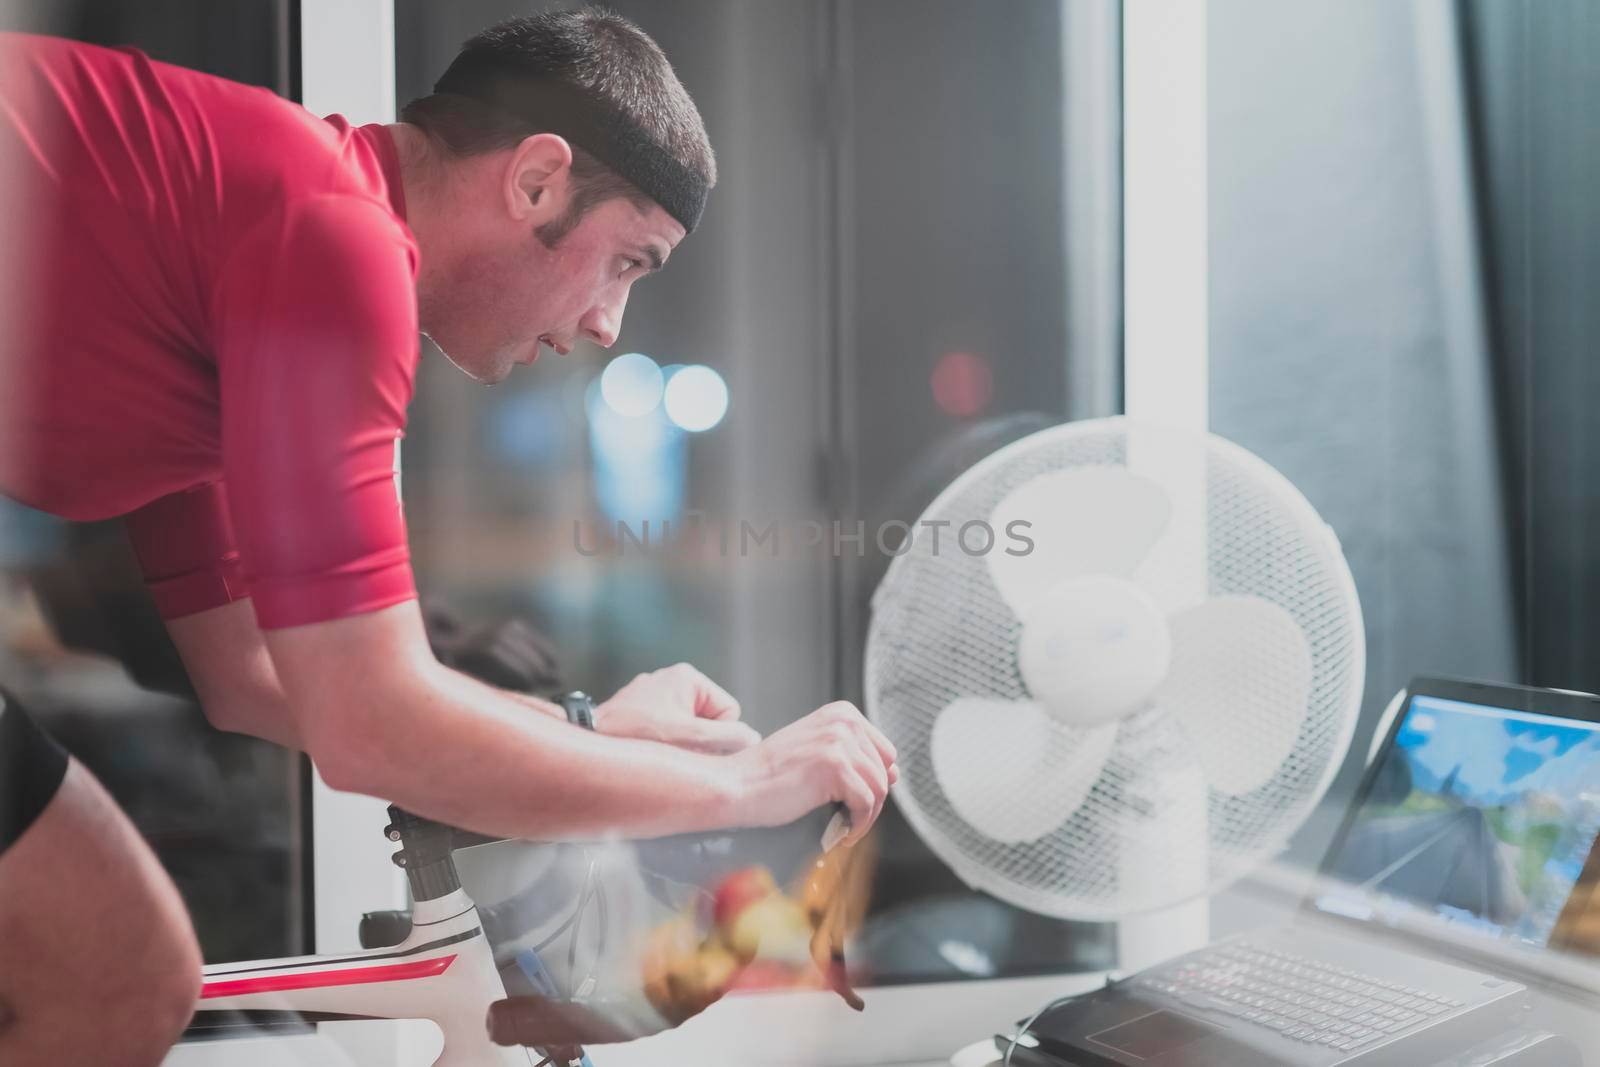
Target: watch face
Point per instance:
(580, 709)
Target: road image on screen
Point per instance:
(1485, 817)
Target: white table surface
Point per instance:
(310, 1051)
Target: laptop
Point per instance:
(1468, 853)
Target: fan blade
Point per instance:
(1087, 520)
(1012, 772)
(1239, 686)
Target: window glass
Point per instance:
(877, 284)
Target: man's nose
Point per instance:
(603, 322)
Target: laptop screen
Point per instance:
(1484, 817)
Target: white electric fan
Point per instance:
(1139, 690)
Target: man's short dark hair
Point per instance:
(604, 61)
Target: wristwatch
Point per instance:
(579, 707)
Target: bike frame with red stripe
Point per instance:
(444, 970)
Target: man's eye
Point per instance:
(632, 264)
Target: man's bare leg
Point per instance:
(98, 960)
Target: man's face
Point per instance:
(510, 285)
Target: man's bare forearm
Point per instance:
(233, 674)
(238, 686)
(464, 753)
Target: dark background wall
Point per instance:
(1533, 89)
(1405, 248)
(245, 40)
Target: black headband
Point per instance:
(555, 107)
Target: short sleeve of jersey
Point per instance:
(185, 546)
(314, 321)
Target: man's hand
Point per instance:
(833, 755)
(677, 706)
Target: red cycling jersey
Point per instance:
(215, 330)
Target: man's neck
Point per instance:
(420, 178)
(416, 164)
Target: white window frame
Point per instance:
(1165, 273)
(347, 67)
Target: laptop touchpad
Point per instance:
(1160, 1033)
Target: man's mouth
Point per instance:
(555, 346)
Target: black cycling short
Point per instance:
(31, 768)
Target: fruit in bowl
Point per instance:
(762, 938)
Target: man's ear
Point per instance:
(538, 179)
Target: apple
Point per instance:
(666, 951)
(774, 928)
(738, 891)
(713, 973)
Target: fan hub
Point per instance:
(1093, 649)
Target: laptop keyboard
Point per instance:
(1302, 999)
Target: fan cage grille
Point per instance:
(940, 631)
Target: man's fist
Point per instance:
(833, 755)
(679, 706)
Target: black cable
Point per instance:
(566, 925)
(522, 912)
(577, 929)
(1056, 1003)
(558, 931)
(600, 947)
(1025, 1027)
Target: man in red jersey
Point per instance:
(212, 329)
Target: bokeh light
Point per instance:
(696, 398)
(640, 461)
(631, 384)
(962, 384)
